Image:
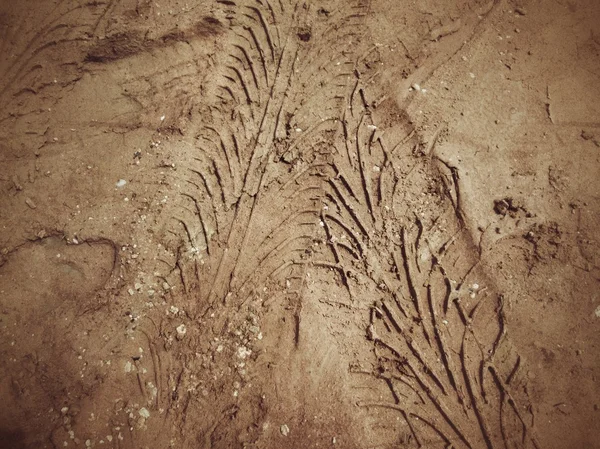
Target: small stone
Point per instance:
(521, 11)
(181, 331)
(243, 352)
(372, 333)
(144, 413)
(285, 430)
(64, 410)
(121, 183)
(597, 312)
(30, 203)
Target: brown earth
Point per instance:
(300, 224)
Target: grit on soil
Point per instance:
(300, 224)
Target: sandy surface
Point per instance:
(300, 224)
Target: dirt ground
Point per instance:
(300, 224)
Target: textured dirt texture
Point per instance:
(300, 224)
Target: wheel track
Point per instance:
(447, 356)
(452, 377)
(234, 162)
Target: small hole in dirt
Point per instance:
(304, 35)
(212, 20)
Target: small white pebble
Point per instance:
(243, 352)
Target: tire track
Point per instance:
(260, 78)
(293, 158)
(440, 348)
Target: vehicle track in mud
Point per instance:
(313, 258)
(293, 180)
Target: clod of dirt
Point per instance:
(509, 206)
(118, 46)
(557, 178)
(124, 44)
